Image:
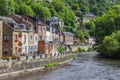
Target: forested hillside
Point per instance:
(64, 9)
(97, 7)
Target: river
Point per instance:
(85, 66)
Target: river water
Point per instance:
(86, 66)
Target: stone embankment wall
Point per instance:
(85, 47)
(29, 63)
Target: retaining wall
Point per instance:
(36, 62)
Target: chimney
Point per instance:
(22, 20)
(44, 19)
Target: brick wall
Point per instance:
(7, 30)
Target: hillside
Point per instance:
(64, 9)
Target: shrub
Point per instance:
(53, 64)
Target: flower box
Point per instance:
(20, 43)
(19, 50)
(20, 35)
(16, 40)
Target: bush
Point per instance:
(79, 50)
(60, 49)
(53, 64)
(90, 49)
(111, 45)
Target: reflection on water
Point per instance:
(86, 66)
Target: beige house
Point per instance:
(20, 40)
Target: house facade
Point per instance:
(30, 35)
(27, 35)
(68, 38)
(5, 39)
(39, 25)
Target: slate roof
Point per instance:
(68, 33)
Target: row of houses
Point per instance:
(28, 35)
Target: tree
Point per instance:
(53, 12)
(58, 5)
(8, 7)
(75, 6)
(24, 9)
(111, 45)
(106, 24)
(41, 11)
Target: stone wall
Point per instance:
(30, 62)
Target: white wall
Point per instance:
(25, 43)
(49, 36)
(35, 42)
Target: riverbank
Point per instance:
(85, 66)
(61, 61)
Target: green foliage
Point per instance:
(106, 24)
(111, 45)
(90, 49)
(53, 64)
(6, 7)
(97, 7)
(64, 9)
(24, 9)
(60, 49)
(75, 7)
(79, 50)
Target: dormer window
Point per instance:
(30, 27)
(16, 27)
(22, 26)
(39, 22)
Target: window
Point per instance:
(35, 48)
(31, 37)
(32, 48)
(29, 48)
(16, 36)
(16, 49)
(6, 37)
(26, 49)
(46, 47)
(24, 39)
(30, 27)
(36, 39)
(5, 50)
